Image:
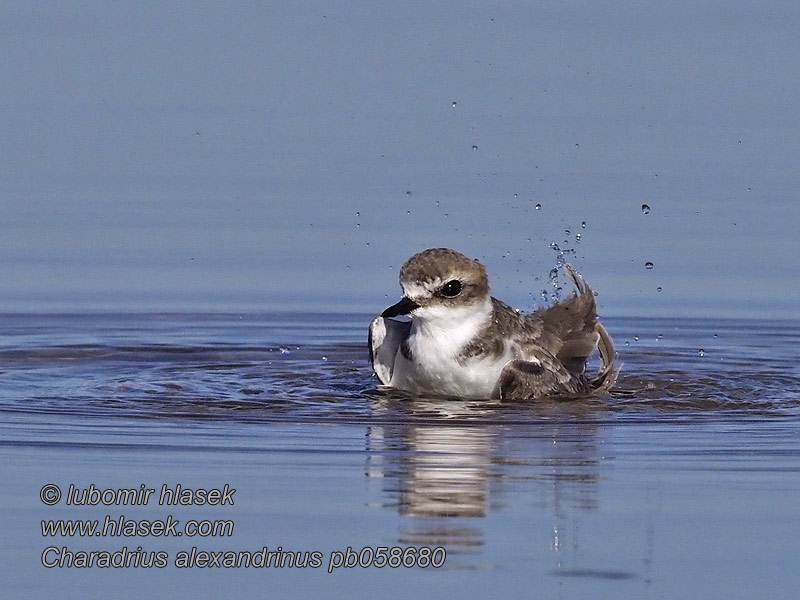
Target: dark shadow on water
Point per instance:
(594, 574)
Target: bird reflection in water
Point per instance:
(434, 471)
(448, 474)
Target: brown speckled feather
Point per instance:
(559, 341)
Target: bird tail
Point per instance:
(609, 370)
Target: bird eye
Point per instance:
(451, 289)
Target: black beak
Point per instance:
(403, 307)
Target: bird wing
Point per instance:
(567, 334)
(385, 337)
(570, 328)
(534, 378)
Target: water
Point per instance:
(683, 483)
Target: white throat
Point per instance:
(438, 335)
(448, 329)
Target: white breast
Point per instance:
(438, 334)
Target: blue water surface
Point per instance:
(682, 481)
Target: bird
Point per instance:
(460, 342)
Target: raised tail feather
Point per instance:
(577, 280)
(609, 370)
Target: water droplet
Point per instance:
(715, 335)
(636, 338)
(358, 214)
(324, 358)
(408, 212)
(583, 224)
(701, 352)
(358, 224)
(538, 207)
(408, 192)
(515, 195)
(454, 104)
(577, 237)
(474, 148)
(648, 265)
(658, 289)
(627, 343)
(660, 336)
(567, 231)
(437, 204)
(646, 209)
(555, 246)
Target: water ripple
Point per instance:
(305, 378)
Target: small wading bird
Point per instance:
(461, 342)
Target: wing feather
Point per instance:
(384, 340)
